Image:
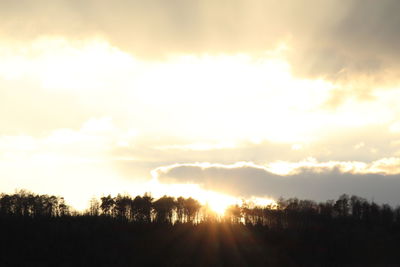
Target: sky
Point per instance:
(220, 100)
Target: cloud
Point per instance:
(309, 180)
(338, 144)
(327, 38)
(146, 28)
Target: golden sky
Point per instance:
(218, 99)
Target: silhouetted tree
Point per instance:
(141, 208)
(107, 205)
(342, 206)
(192, 208)
(122, 206)
(62, 207)
(180, 209)
(94, 208)
(164, 208)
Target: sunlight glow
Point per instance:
(195, 103)
(258, 201)
(253, 91)
(181, 82)
(216, 201)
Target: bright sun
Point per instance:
(218, 203)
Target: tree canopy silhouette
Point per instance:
(121, 230)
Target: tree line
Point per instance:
(26, 204)
(285, 213)
(145, 209)
(42, 230)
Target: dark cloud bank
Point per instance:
(316, 184)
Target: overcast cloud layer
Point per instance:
(326, 37)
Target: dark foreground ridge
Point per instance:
(41, 230)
